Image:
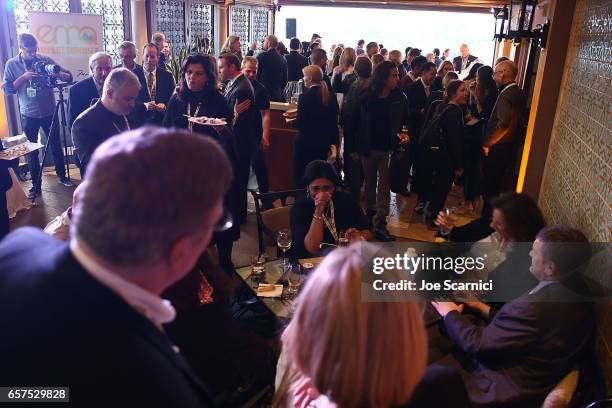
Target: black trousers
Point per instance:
(245, 155)
(30, 128)
(302, 155)
(258, 164)
(353, 177)
(436, 178)
(472, 178)
(497, 165)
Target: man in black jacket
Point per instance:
(160, 85)
(295, 61)
(115, 112)
(127, 54)
(532, 342)
(417, 94)
(239, 90)
(86, 91)
(5, 184)
(88, 314)
(272, 71)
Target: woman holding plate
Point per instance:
(198, 96)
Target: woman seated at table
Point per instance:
(324, 213)
(341, 351)
(317, 123)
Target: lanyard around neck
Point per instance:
(330, 222)
(127, 124)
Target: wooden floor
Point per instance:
(403, 222)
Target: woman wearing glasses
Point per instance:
(324, 214)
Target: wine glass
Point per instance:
(283, 240)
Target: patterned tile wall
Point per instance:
(577, 185)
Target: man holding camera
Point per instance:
(31, 77)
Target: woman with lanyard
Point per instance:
(198, 95)
(319, 219)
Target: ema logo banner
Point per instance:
(68, 38)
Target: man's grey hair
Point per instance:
(96, 56)
(158, 38)
(137, 202)
(119, 78)
(250, 59)
(127, 45)
(272, 41)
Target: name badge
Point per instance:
(31, 92)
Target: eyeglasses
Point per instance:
(225, 222)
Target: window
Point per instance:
(112, 12)
(250, 24)
(21, 8)
(201, 21)
(170, 20)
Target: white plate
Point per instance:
(203, 120)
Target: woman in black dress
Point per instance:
(198, 95)
(317, 123)
(442, 149)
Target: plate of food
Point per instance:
(203, 120)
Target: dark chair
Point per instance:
(601, 404)
(272, 211)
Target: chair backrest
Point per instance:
(272, 212)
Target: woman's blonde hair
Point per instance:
(227, 45)
(358, 353)
(315, 73)
(348, 58)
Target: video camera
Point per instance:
(47, 78)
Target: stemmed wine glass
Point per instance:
(283, 240)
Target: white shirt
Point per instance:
(231, 82)
(154, 84)
(540, 285)
(151, 306)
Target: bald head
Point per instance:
(505, 72)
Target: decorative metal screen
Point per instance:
(171, 21)
(201, 21)
(240, 20)
(21, 8)
(259, 24)
(112, 12)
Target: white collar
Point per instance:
(540, 286)
(231, 81)
(154, 72)
(151, 306)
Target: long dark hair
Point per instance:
(380, 76)
(451, 90)
(522, 216)
(205, 61)
(473, 70)
(485, 87)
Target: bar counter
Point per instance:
(279, 157)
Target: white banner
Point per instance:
(68, 38)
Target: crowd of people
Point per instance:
(163, 197)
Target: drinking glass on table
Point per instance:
(283, 240)
(295, 279)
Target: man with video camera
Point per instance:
(32, 77)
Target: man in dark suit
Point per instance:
(295, 61)
(505, 132)
(88, 314)
(465, 60)
(262, 136)
(417, 94)
(86, 91)
(5, 184)
(318, 57)
(127, 54)
(272, 72)
(160, 84)
(532, 342)
(240, 91)
(115, 112)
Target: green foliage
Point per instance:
(178, 55)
